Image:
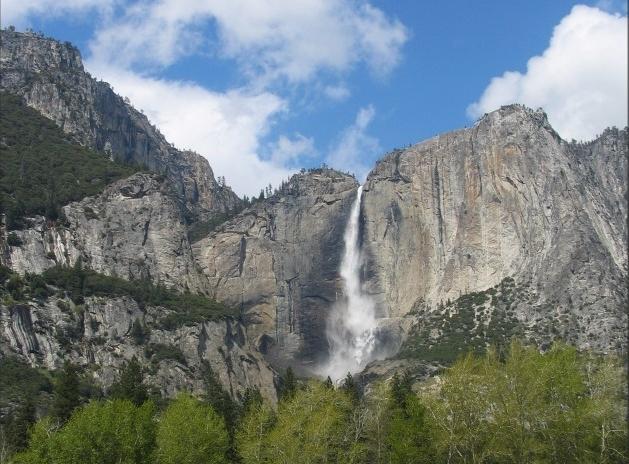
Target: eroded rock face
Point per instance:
(49, 75)
(133, 230)
(279, 260)
(98, 335)
(507, 198)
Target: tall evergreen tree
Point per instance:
(18, 425)
(219, 399)
(130, 386)
(401, 388)
(289, 386)
(350, 387)
(66, 393)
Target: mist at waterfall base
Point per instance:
(351, 327)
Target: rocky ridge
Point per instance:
(443, 222)
(98, 335)
(50, 77)
(507, 198)
(278, 261)
(135, 230)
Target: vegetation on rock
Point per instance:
(41, 169)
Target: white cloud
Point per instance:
(287, 152)
(356, 149)
(18, 12)
(226, 128)
(273, 42)
(271, 39)
(580, 80)
(336, 92)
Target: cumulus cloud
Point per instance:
(226, 128)
(313, 43)
(288, 152)
(336, 92)
(580, 80)
(18, 12)
(355, 148)
(271, 39)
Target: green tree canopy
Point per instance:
(111, 432)
(191, 432)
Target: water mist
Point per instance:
(352, 323)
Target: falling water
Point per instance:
(351, 327)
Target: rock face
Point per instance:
(49, 75)
(134, 230)
(503, 211)
(507, 198)
(98, 335)
(279, 260)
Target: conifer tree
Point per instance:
(350, 387)
(129, 385)
(66, 393)
(290, 384)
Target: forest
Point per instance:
(507, 406)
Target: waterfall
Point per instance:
(351, 326)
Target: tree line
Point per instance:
(515, 407)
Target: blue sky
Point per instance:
(263, 87)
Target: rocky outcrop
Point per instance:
(49, 76)
(506, 198)
(134, 229)
(98, 335)
(279, 261)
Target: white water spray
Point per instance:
(351, 326)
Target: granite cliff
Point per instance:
(506, 199)
(50, 77)
(469, 238)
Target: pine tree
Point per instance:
(66, 393)
(18, 425)
(129, 385)
(219, 399)
(400, 389)
(350, 387)
(139, 332)
(328, 383)
(251, 398)
(290, 384)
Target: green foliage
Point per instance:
(129, 385)
(158, 352)
(201, 229)
(401, 389)
(350, 387)
(23, 389)
(139, 332)
(218, 398)
(472, 322)
(523, 407)
(309, 427)
(41, 169)
(252, 434)
(15, 427)
(66, 393)
(112, 432)
(21, 383)
(409, 437)
(530, 408)
(191, 432)
(289, 384)
(187, 308)
(13, 240)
